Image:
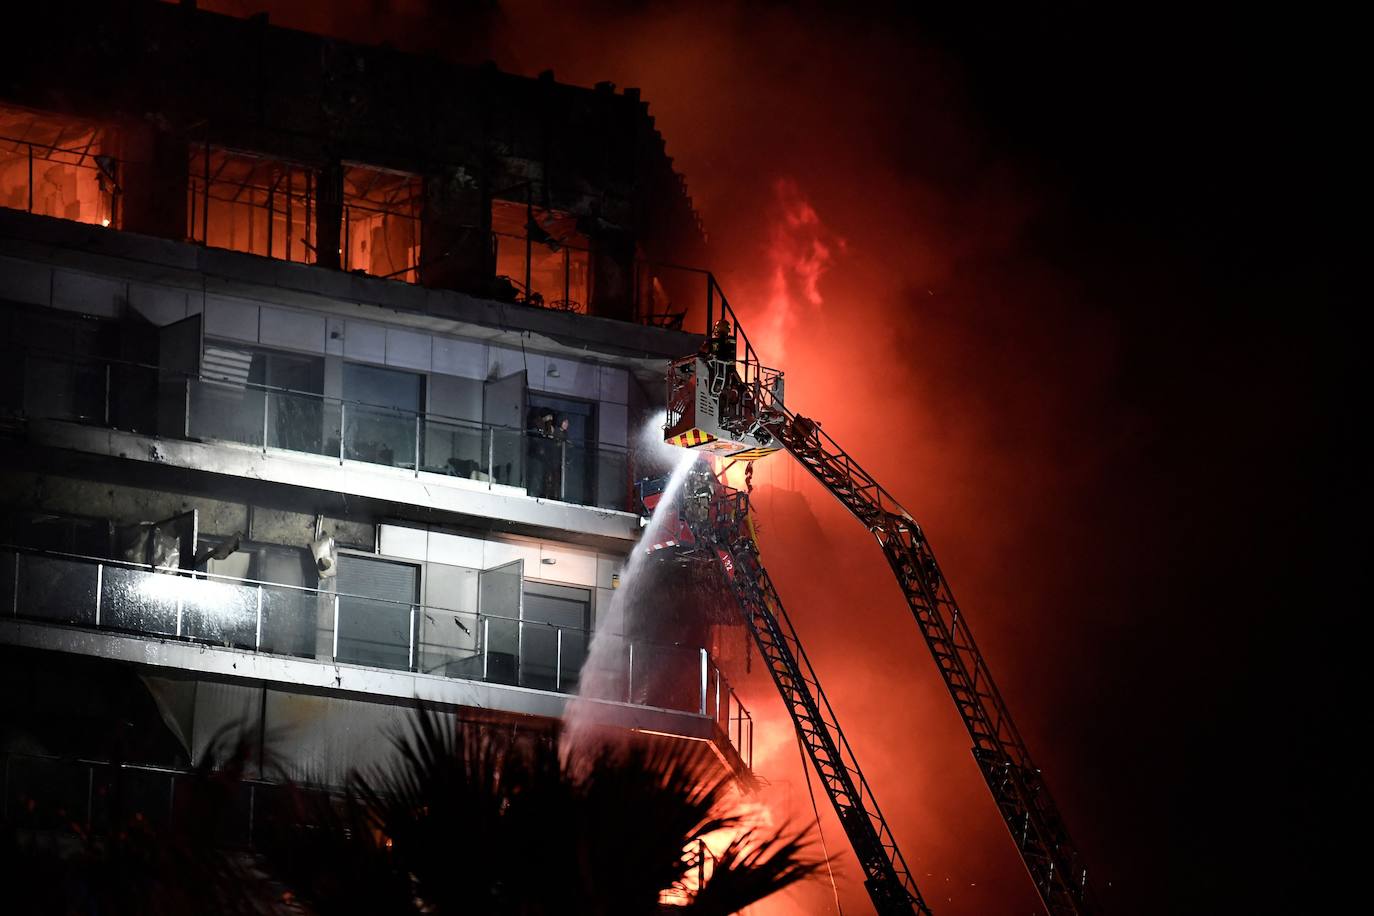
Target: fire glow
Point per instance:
(801, 249)
(935, 354)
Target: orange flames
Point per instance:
(800, 251)
(886, 276)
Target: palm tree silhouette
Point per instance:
(474, 820)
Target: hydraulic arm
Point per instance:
(723, 401)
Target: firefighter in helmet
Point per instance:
(721, 346)
(719, 352)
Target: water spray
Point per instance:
(601, 673)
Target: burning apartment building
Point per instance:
(324, 366)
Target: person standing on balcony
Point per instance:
(548, 433)
(553, 474)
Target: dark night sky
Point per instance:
(1083, 312)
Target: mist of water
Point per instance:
(604, 674)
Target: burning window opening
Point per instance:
(251, 203)
(543, 255)
(381, 222)
(58, 165)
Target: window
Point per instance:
(377, 600)
(54, 369)
(380, 414)
(60, 166)
(241, 383)
(543, 255)
(381, 222)
(251, 203)
(553, 638)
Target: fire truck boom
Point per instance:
(723, 401)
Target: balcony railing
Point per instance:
(146, 399)
(345, 430)
(76, 182)
(336, 628)
(92, 798)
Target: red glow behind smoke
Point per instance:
(886, 282)
(800, 251)
(884, 274)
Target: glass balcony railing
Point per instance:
(336, 628)
(268, 418)
(146, 399)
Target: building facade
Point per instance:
(324, 372)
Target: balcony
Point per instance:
(58, 166)
(54, 165)
(272, 418)
(156, 401)
(352, 641)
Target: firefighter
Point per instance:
(721, 346)
(719, 353)
(806, 429)
(548, 432)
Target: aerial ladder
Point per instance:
(714, 521)
(724, 402)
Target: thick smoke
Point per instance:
(887, 253)
(877, 262)
(859, 273)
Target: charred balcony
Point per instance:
(444, 176)
(217, 625)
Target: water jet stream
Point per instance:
(603, 676)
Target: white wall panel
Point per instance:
(365, 342)
(161, 305)
(606, 567)
(334, 336)
(502, 361)
(611, 424)
(575, 567)
(87, 293)
(407, 349)
(405, 543)
(235, 319)
(455, 550)
(497, 553)
(293, 330)
(463, 358)
(450, 396)
(614, 385)
(23, 281)
(570, 377)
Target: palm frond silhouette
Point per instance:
(479, 820)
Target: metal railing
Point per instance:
(339, 628)
(562, 276)
(554, 284)
(345, 430)
(282, 206)
(559, 275)
(147, 399)
(89, 194)
(89, 797)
